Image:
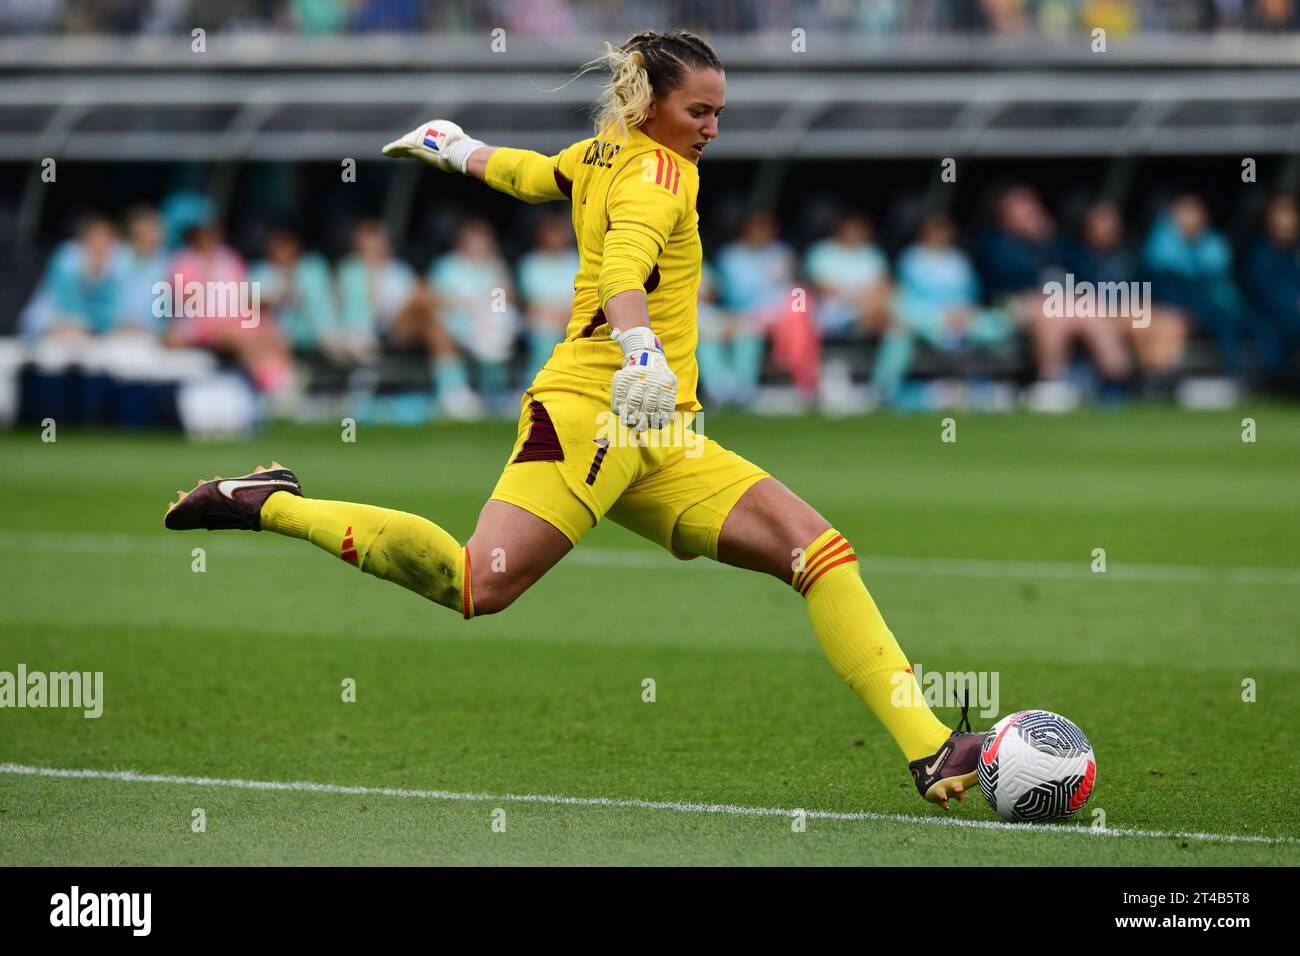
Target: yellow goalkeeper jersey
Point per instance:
(637, 227)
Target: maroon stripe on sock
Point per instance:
(824, 568)
(826, 551)
(542, 443)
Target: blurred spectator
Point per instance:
(937, 302)
(713, 353)
(1018, 258)
(1190, 265)
(1116, 17)
(1021, 252)
(543, 18)
(143, 264)
(296, 292)
(1102, 256)
(383, 302)
(756, 273)
(31, 16)
(80, 293)
(389, 16)
(1273, 283)
(182, 210)
(556, 18)
(851, 276)
(255, 344)
(1006, 16)
(546, 275)
(472, 287)
(319, 16)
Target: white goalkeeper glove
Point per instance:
(439, 143)
(645, 388)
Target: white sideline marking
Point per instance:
(91, 543)
(130, 776)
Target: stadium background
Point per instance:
(980, 552)
(836, 107)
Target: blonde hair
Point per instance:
(644, 66)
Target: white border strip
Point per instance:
(92, 543)
(130, 776)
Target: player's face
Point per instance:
(686, 120)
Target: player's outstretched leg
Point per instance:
(771, 529)
(393, 545)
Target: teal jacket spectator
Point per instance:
(369, 300)
(546, 286)
(299, 294)
(1205, 256)
(144, 263)
(851, 276)
(82, 286)
(1190, 267)
(936, 301)
(757, 272)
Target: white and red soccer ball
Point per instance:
(1036, 765)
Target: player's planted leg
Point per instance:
(772, 530)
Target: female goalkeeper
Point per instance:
(629, 347)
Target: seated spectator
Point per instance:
(384, 303)
(851, 276)
(1018, 258)
(546, 285)
(143, 265)
(937, 301)
(1021, 252)
(472, 287)
(1101, 256)
(80, 293)
(1190, 265)
(757, 275)
(714, 353)
(256, 345)
(1273, 284)
(296, 292)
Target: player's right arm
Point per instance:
(521, 173)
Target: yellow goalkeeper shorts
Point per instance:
(573, 463)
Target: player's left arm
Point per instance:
(642, 211)
(522, 173)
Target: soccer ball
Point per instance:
(1036, 765)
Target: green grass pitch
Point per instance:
(978, 552)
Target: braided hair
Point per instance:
(645, 66)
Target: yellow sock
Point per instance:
(399, 547)
(860, 646)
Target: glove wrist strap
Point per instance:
(638, 339)
(458, 153)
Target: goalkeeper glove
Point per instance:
(645, 388)
(439, 143)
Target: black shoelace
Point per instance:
(965, 718)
